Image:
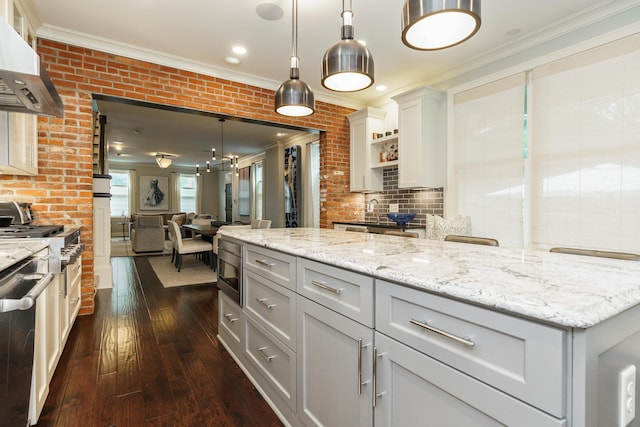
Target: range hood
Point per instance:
(25, 86)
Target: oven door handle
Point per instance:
(27, 301)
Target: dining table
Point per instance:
(207, 230)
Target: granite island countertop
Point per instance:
(566, 290)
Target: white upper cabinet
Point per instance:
(363, 124)
(18, 143)
(422, 138)
(18, 132)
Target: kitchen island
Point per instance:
(538, 335)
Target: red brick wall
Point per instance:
(62, 192)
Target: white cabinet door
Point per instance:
(362, 125)
(413, 389)
(421, 138)
(18, 143)
(46, 344)
(334, 368)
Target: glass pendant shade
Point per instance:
(162, 161)
(347, 66)
(439, 24)
(294, 97)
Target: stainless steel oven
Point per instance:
(230, 269)
(21, 283)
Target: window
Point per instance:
(256, 177)
(187, 189)
(120, 193)
(244, 192)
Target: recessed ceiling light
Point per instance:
(381, 88)
(271, 11)
(239, 50)
(231, 60)
(280, 134)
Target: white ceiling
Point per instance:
(198, 34)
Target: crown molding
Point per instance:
(63, 35)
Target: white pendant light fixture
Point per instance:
(294, 97)
(439, 24)
(347, 66)
(163, 160)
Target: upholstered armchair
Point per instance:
(147, 234)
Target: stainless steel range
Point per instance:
(23, 276)
(64, 244)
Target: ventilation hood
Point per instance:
(25, 86)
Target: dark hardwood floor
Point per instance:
(149, 356)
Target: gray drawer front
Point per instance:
(275, 361)
(348, 293)
(272, 306)
(520, 357)
(276, 266)
(230, 320)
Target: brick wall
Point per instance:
(62, 192)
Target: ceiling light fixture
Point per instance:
(233, 160)
(294, 97)
(434, 25)
(347, 66)
(163, 160)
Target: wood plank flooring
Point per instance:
(149, 356)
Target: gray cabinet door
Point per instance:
(413, 389)
(334, 358)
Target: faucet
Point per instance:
(377, 211)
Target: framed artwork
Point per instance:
(291, 187)
(154, 193)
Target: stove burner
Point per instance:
(14, 231)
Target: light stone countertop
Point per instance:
(567, 290)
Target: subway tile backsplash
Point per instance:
(418, 201)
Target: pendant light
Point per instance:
(347, 66)
(294, 97)
(439, 24)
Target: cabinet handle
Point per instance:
(230, 318)
(265, 263)
(322, 285)
(456, 338)
(360, 366)
(264, 302)
(375, 375)
(267, 358)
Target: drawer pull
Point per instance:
(230, 317)
(360, 366)
(322, 285)
(267, 358)
(264, 302)
(464, 341)
(265, 263)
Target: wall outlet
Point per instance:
(393, 207)
(626, 395)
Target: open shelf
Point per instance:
(384, 165)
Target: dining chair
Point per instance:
(597, 253)
(190, 246)
(486, 241)
(401, 233)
